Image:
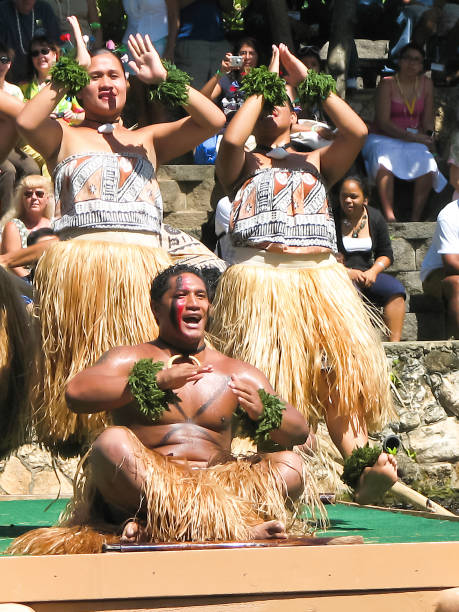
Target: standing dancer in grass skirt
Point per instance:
(93, 289)
(287, 307)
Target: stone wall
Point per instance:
(426, 397)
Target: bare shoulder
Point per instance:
(126, 356)
(241, 368)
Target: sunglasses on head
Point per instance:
(37, 52)
(5, 59)
(28, 193)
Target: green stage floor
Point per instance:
(18, 516)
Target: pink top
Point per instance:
(399, 113)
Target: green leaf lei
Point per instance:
(67, 72)
(173, 91)
(315, 87)
(143, 385)
(270, 419)
(355, 464)
(260, 81)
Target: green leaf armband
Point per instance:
(356, 462)
(261, 82)
(315, 87)
(68, 73)
(270, 419)
(173, 91)
(143, 385)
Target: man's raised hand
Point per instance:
(147, 64)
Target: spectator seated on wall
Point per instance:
(440, 268)
(363, 240)
(403, 135)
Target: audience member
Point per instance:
(17, 164)
(224, 87)
(403, 135)
(363, 239)
(22, 20)
(454, 164)
(33, 209)
(43, 55)
(201, 40)
(440, 268)
(86, 12)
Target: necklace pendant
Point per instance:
(106, 128)
(278, 153)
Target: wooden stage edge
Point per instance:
(360, 578)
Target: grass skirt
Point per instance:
(217, 503)
(299, 325)
(18, 346)
(91, 297)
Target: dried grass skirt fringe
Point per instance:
(92, 296)
(18, 347)
(217, 503)
(297, 324)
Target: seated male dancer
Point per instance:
(195, 431)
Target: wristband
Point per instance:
(142, 383)
(315, 87)
(380, 263)
(261, 82)
(356, 462)
(68, 73)
(173, 91)
(270, 419)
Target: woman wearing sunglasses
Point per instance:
(33, 209)
(43, 55)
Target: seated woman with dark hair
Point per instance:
(364, 242)
(403, 135)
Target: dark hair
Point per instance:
(41, 40)
(105, 51)
(4, 50)
(160, 283)
(411, 46)
(310, 51)
(250, 42)
(35, 236)
(361, 182)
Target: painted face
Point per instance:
(351, 197)
(183, 309)
(34, 199)
(106, 93)
(43, 57)
(250, 56)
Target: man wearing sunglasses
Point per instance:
(21, 21)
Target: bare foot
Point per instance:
(376, 480)
(270, 530)
(133, 533)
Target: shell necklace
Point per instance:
(356, 228)
(21, 44)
